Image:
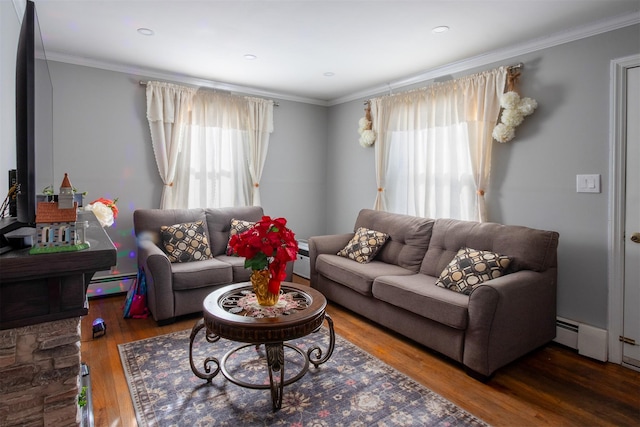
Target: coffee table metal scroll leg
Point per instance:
(275, 363)
(318, 359)
(207, 374)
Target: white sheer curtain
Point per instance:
(212, 171)
(221, 162)
(168, 113)
(260, 127)
(433, 147)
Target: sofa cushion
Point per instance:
(528, 248)
(193, 275)
(364, 245)
(240, 273)
(408, 236)
(219, 224)
(354, 275)
(238, 226)
(469, 268)
(417, 293)
(185, 242)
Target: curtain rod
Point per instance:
(510, 67)
(143, 83)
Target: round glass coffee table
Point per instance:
(232, 313)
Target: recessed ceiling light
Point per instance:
(329, 74)
(440, 29)
(250, 57)
(145, 31)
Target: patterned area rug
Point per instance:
(352, 388)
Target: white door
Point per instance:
(631, 322)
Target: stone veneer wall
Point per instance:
(40, 374)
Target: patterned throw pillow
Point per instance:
(470, 267)
(364, 245)
(238, 226)
(185, 242)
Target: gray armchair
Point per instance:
(178, 288)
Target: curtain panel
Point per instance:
(260, 126)
(221, 152)
(168, 108)
(433, 149)
(212, 169)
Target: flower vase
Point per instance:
(260, 283)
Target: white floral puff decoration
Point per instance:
(367, 134)
(515, 109)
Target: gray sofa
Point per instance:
(499, 321)
(175, 289)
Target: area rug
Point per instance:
(352, 388)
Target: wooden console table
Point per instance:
(46, 287)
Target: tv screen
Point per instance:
(34, 117)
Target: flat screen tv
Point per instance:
(34, 117)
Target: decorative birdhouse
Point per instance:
(56, 221)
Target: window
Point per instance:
(215, 168)
(210, 147)
(433, 147)
(430, 174)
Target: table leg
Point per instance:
(207, 374)
(275, 363)
(318, 359)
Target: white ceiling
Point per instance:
(365, 44)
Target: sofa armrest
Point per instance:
(328, 244)
(509, 317)
(157, 268)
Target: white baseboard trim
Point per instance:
(592, 342)
(588, 340)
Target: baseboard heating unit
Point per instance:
(588, 340)
(301, 265)
(110, 285)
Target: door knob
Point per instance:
(635, 237)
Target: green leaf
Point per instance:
(258, 262)
(82, 397)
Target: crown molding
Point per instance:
(508, 53)
(451, 68)
(150, 74)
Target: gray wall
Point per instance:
(350, 169)
(101, 138)
(293, 180)
(533, 180)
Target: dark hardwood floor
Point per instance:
(553, 386)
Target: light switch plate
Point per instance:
(588, 183)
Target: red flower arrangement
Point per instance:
(268, 244)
